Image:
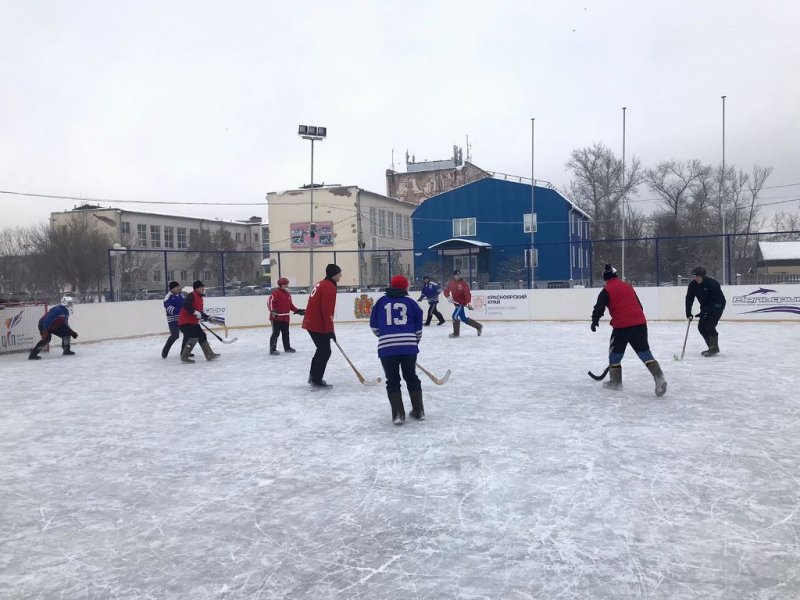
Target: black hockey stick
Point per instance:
(214, 333)
(434, 379)
(356, 371)
(686, 337)
(601, 376)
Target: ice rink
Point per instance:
(123, 475)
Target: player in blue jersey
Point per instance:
(172, 306)
(55, 322)
(397, 321)
(430, 291)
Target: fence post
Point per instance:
(110, 276)
(279, 270)
(530, 267)
(222, 274)
(658, 264)
(389, 262)
(166, 279)
(726, 241)
(591, 263)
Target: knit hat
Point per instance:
(283, 281)
(198, 284)
(399, 282)
(699, 271)
(609, 272)
(428, 277)
(332, 270)
(456, 272)
(173, 284)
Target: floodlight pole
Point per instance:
(314, 134)
(722, 198)
(622, 199)
(533, 188)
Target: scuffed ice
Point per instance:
(123, 475)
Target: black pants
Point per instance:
(636, 336)
(64, 332)
(392, 365)
(174, 334)
(190, 331)
(280, 328)
(320, 359)
(707, 325)
(433, 309)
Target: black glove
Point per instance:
(594, 325)
(274, 314)
(688, 314)
(74, 335)
(301, 311)
(333, 335)
(204, 316)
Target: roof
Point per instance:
(455, 242)
(780, 250)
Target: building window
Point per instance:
(156, 275)
(381, 222)
(535, 254)
(206, 274)
(407, 229)
(155, 236)
(373, 220)
(170, 275)
(238, 236)
(526, 223)
(182, 237)
(193, 235)
(169, 237)
(255, 237)
(398, 225)
(141, 236)
(464, 227)
(390, 224)
(125, 228)
(184, 275)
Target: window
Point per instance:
(193, 235)
(390, 228)
(206, 274)
(171, 275)
(528, 257)
(155, 236)
(464, 227)
(398, 225)
(184, 275)
(194, 275)
(125, 228)
(141, 235)
(255, 237)
(182, 238)
(156, 275)
(373, 220)
(466, 264)
(407, 229)
(381, 222)
(169, 237)
(526, 223)
(238, 236)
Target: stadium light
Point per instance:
(314, 133)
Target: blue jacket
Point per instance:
(172, 304)
(397, 321)
(56, 317)
(430, 292)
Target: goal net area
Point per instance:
(19, 322)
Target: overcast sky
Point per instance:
(200, 101)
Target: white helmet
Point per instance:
(67, 301)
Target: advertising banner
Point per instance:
(767, 302)
(499, 305)
(300, 235)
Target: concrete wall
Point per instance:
(130, 319)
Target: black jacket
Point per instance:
(709, 295)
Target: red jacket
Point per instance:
(459, 290)
(623, 304)
(280, 302)
(191, 306)
(321, 308)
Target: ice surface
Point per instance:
(123, 475)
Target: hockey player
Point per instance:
(397, 321)
(55, 322)
(430, 292)
(457, 291)
(279, 304)
(712, 303)
(189, 318)
(318, 321)
(172, 305)
(629, 327)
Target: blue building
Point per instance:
(483, 228)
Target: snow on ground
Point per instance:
(123, 475)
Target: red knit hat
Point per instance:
(399, 282)
(283, 281)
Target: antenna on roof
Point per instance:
(469, 156)
(392, 159)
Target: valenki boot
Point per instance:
(658, 376)
(187, 350)
(398, 410)
(456, 329)
(209, 353)
(417, 409)
(475, 324)
(615, 378)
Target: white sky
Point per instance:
(200, 101)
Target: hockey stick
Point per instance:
(433, 377)
(224, 340)
(601, 376)
(686, 337)
(356, 371)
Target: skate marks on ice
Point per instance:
(230, 480)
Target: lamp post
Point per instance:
(117, 251)
(722, 196)
(622, 199)
(315, 134)
(533, 214)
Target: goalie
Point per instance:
(55, 322)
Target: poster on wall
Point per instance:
(765, 302)
(501, 305)
(300, 235)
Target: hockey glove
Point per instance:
(688, 315)
(333, 335)
(274, 314)
(204, 317)
(74, 335)
(594, 326)
(469, 306)
(301, 311)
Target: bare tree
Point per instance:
(675, 183)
